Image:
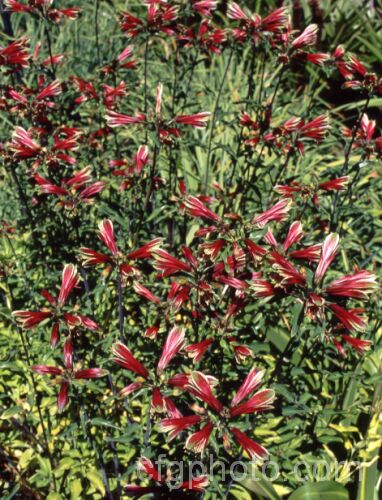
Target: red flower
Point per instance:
(328, 253)
(196, 208)
(278, 213)
(70, 189)
(254, 450)
(175, 426)
(259, 402)
(23, 145)
(115, 119)
(349, 318)
(315, 129)
(358, 285)
(250, 383)
(199, 385)
(172, 346)
(168, 264)
(197, 120)
(197, 483)
(307, 38)
(288, 273)
(198, 441)
(30, 319)
(197, 350)
(124, 358)
(334, 184)
(144, 292)
(67, 374)
(106, 235)
(358, 344)
(204, 7)
(15, 54)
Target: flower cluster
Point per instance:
(187, 278)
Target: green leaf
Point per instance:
(257, 483)
(96, 480)
(323, 490)
(101, 422)
(240, 493)
(54, 496)
(75, 488)
(11, 412)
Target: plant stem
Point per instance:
(145, 64)
(251, 179)
(48, 39)
(248, 98)
(34, 384)
(193, 66)
(345, 167)
(149, 192)
(214, 116)
(97, 453)
(22, 196)
(112, 388)
(148, 428)
(121, 314)
(96, 19)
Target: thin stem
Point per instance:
(22, 196)
(248, 98)
(279, 174)
(214, 116)
(96, 20)
(97, 453)
(35, 390)
(111, 385)
(193, 66)
(251, 179)
(148, 428)
(149, 192)
(121, 314)
(48, 39)
(345, 167)
(145, 64)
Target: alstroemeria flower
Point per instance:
(164, 483)
(65, 376)
(56, 312)
(122, 261)
(124, 357)
(200, 386)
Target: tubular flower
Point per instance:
(44, 9)
(196, 351)
(64, 376)
(72, 192)
(127, 172)
(56, 312)
(253, 27)
(172, 346)
(121, 261)
(358, 285)
(164, 485)
(349, 318)
(124, 358)
(277, 213)
(200, 385)
(15, 55)
(328, 253)
(168, 264)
